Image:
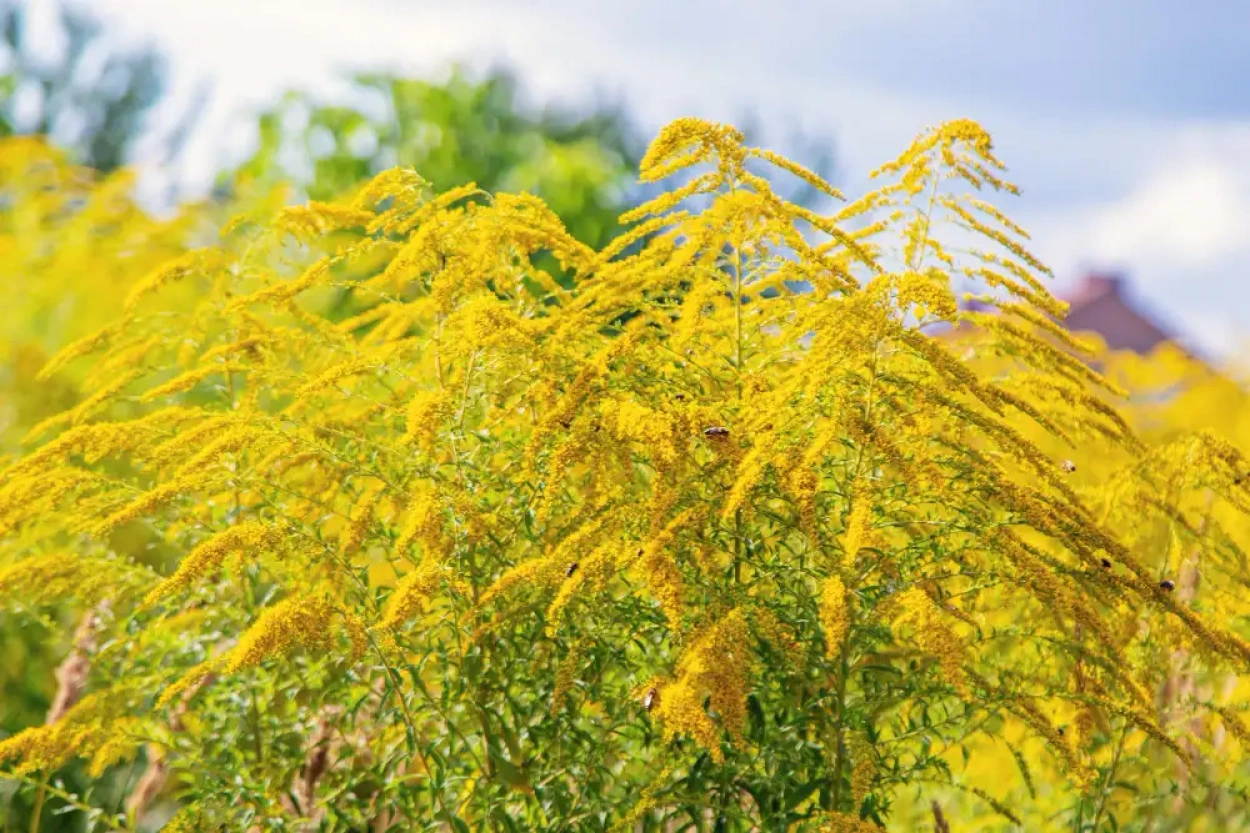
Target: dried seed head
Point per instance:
(716, 432)
(1168, 585)
(648, 702)
(572, 568)
(71, 675)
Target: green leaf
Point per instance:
(797, 797)
(509, 773)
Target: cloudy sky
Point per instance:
(1126, 122)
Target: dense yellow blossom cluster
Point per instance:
(750, 503)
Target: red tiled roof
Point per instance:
(1100, 305)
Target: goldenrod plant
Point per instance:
(740, 529)
(71, 243)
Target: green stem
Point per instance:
(40, 798)
(47, 790)
(413, 745)
(1106, 781)
(839, 760)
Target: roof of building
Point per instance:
(1101, 304)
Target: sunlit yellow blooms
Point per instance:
(306, 620)
(933, 635)
(738, 511)
(282, 292)
(56, 576)
(648, 801)
(857, 526)
(592, 574)
(664, 582)
(635, 422)
(423, 524)
(425, 413)
(1029, 711)
(249, 539)
(715, 665)
(315, 219)
(25, 499)
(193, 263)
(846, 823)
(191, 378)
(798, 170)
(413, 593)
(88, 730)
(835, 618)
(357, 528)
(550, 566)
(566, 674)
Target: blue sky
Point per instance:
(1126, 122)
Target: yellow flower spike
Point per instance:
(250, 538)
(835, 617)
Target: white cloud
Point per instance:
(1193, 215)
(1178, 228)
(1185, 209)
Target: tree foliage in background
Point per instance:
(581, 161)
(671, 545)
(453, 132)
(86, 93)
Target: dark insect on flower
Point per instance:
(1106, 562)
(1061, 730)
(767, 427)
(1168, 585)
(681, 397)
(1069, 466)
(572, 568)
(716, 431)
(564, 425)
(648, 702)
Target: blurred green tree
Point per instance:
(71, 81)
(453, 132)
